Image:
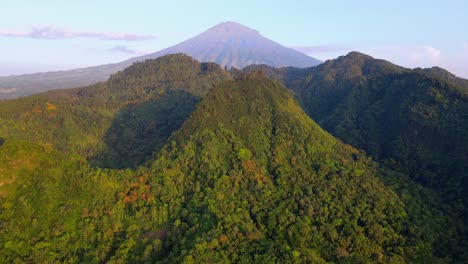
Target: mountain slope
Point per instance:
(257, 170)
(248, 178)
(233, 45)
(99, 122)
(446, 76)
(228, 44)
(27, 84)
(413, 120)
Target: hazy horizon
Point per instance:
(50, 36)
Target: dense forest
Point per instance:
(413, 121)
(118, 123)
(172, 160)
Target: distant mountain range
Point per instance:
(228, 44)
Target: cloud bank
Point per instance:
(318, 49)
(59, 33)
(126, 50)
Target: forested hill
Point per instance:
(256, 171)
(446, 76)
(414, 121)
(173, 160)
(118, 123)
(248, 177)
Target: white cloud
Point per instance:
(317, 49)
(408, 56)
(455, 60)
(48, 32)
(126, 50)
(434, 54)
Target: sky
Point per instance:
(38, 36)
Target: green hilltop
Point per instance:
(414, 121)
(118, 123)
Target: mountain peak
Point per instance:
(234, 45)
(356, 54)
(232, 27)
(356, 65)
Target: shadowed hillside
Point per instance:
(86, 120)
(413, 121)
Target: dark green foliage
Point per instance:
(416, 127)
(140, 129)
(445, 76)
(414, 121)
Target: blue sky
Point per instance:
(51, 34)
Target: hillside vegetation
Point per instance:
(413, 121)
(118, 123)
(175, 161)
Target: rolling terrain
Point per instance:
(415, 121)
(173, 160)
